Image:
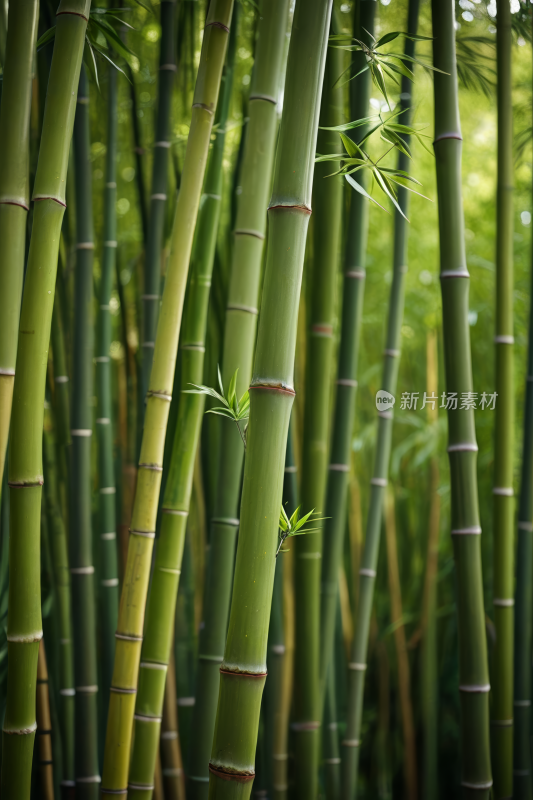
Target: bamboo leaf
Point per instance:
(231, 389)
(47, 37)
(389, 37)
(359, 188)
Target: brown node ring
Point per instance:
(238, 777)
(243, 674)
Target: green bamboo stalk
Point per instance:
(328, 198)
(343, 417)
(243, 670)
(171, 760)
(158, 198)
(503, 547)
(14, 193)
(462, 448)
(238, 347)
(186, 647)
(332, 761)
(24, 627)
(160, 610)
(391, 361)
(104, 428)
(139, 152)
(81, 547)
(137, 572)
(59, 551)
(44, 728)
(523, 784)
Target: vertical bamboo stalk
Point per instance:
(160, 610)
(81, 547)
(429, 673)
(44, 728)
(14, 193)
(104, 428)
(243, 670)
(503, 567)
(379, 481)
(158, 198)
(473, 669)
(137, 573)
(24, 626)
(319, 373)
(402, 658)
(171, 761)
(238, 347)
(332, 760)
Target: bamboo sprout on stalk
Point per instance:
(24, 627)
(474, 685)
(160, 610)
(238, 347)
(391, 359)
(243, 670)
(137, 572)
(158, 197)
(14, 193)
(503, 569)
(328, 195)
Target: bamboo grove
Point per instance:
(266, 399)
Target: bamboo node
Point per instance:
(474, 688)
(368, 573)
(356, 665)
(280, 756)
(82, 570)
(385, 414)
(20, 731)
(82, 432)
(226, 775)
(503, 491)
(148, 344)
(128, 638)
(339, 467)
(322, 330)
(204, 106)
(67, 692)
(170, 67)
(12, 201)
(114, 791)
(291, 470)
(198, 348)
(242, 673)
(266, 97)
(226, 521)
(146, 718)
(102, 359)
(159, 395)
(292, 207)
(474, 530)
(502, 339)
(159, 196)
(37, 197)
(300, 727)
(108, 537)
(10, 373)
(249, 232)
(467, 785)
(175, 511)
(458, 273)
(239, 307)
(152, 467)
(169, 734)
(25, 484)
(111, 243)
(273, 387)
(347, 382)
(25, 638)
(379, 482)
(85, 246)
(149, 297)
(73, 14)
(462, 447)
(171, 772)
(118, 690)
(278, 649)
(350, 743)
(141, 787)
(451, 135)
(109, 583)
(392, 353)
(525, 526)
(164, 145)
(103, 421)
(60, 378)
(358, 274)
(146, 534)
(153, 665)
(503, 602)
(108, 489)
(332, 761)
(186, 702)
(217, 24)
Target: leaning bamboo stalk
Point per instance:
(24, 626)
(243, 670)
(391, 361)
(44, 728)
(104, 417)
(328, 196)
(14, 193)
(503, 528)
(473, 668)
(158, 198)
(171, 760)
(142, 534)
(160, 610)
(238, 348)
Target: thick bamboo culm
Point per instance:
(24, 625)
(522, 778)
(14, 193)
(462, 448)
(391, 361)
(160, 609)
(44, 728)
(107, 522)
(238, 347)
(158, 198)
(327, 198)
(503, 526)
(243, 670)
(142, 534)
(171, 760)
(346, 387)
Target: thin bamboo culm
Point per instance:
(160, 609)
(44, 728)
(476, 780)
(238, 348)
(391, 360)
(24, 625)
(243, 670)
(142, 534)
(503, 526)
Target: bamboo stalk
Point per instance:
(402, 658)
(522, 782)
(243, 670)
(135, 587)
(171, 761)
(473, 670)
(158, 198)
(332, 760)
(44, 728)
(238, 347)
(503, 548)
(104, 418)
(391, 362)
(328, 197)
(344, 413)
(160, 611)
(14, 193)
(429, 673)
(24, 627)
